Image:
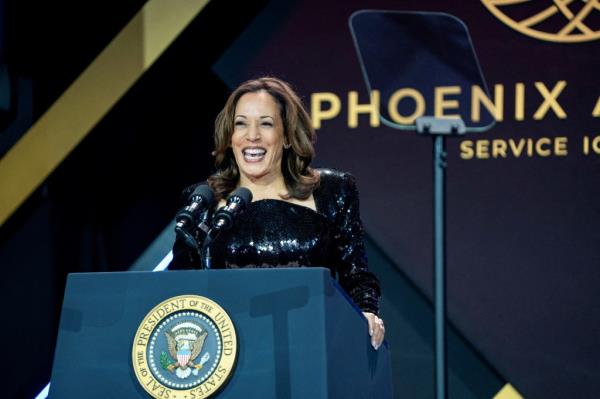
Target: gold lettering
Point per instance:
(479, 97)
(540, 150)
(372, 108)
(586, 145)
(519, 101)
(516, 149)
(446, 103)
(441, 104)
(543, 147)
(395, 99)
(596, 111)
(466, 149)
(211, 381)
(550, 100)
(142, 339)
(222, 324)
(317, 113)
(499, 148)
(150, 380)
(560, 146)
(206, 307)
(596, 144)
(482, 149)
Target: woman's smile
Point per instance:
(254, 154)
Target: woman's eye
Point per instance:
(268, 124)
(239, 123)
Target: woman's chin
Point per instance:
(254, 172)
(257, 173)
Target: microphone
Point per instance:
(201, 198)
(223, 220)
(236, 203)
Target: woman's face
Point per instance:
(257, 139)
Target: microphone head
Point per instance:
(236, 203)
(205, 192)
(244, 195)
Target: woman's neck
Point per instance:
(266, 187)
(273, 188)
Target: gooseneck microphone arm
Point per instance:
(223, 220)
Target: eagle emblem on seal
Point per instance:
(184, 342)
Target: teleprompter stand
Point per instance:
(431, 58)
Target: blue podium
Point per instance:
(298, 335)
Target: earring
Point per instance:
(287, 146)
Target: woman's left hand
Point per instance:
(376, 329)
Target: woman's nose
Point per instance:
(253, 133)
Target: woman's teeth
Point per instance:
(254, 154)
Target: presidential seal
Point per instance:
(185, 348)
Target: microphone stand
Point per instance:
(205, 258)
(204, 250)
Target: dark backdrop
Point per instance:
(522, 231)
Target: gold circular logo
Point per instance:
(185, 348)
(563, 21)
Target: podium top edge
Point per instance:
(297, 269)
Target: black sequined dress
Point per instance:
(275, 233)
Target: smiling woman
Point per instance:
(299, 216)
(245, 121)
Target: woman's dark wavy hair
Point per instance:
(300, 178)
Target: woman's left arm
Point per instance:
(355, 277)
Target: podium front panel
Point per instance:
(293, 327)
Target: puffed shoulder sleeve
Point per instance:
(352, 267)
(184, 257)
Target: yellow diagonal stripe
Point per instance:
(508, 392)
(56, 133)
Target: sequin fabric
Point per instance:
(275, 233)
